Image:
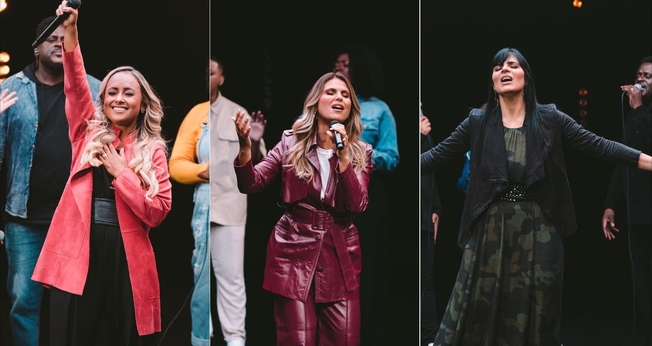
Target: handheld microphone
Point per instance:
(55, 23)
(637, 86)
(338, 136)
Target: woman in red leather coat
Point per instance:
(313, 254)
(97, 259)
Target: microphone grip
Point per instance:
(338, 137)
(637, 86)
(338, 140)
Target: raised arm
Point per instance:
(71, 37)
(645, 162)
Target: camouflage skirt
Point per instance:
(509, 286)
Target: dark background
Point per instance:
(272, 54)
(597, 47)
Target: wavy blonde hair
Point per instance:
(148, 132)
(305, 128)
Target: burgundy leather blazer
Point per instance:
(315, 238)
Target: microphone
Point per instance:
(55, 23)
(637, 86)
(338, 136)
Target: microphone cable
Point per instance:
(185, 303)
(625, 173)
(625, 168)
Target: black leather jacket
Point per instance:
(546, 173)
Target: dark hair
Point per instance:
(365, 69)
(529, 90)
(532, 106)
(43, 24)
(646, 59)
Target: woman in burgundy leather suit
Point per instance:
(313, 254)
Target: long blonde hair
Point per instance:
(148, 132)
(305, 127)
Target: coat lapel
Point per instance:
(535, 152)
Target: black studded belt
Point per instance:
(516, 193)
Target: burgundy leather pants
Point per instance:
(316, 324)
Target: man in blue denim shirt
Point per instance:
(36, 151)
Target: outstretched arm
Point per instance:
(645, 162)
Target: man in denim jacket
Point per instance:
(36, 152)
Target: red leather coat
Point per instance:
(315, 240)
(64, 259)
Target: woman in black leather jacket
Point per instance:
(517, 210)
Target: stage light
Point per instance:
(583, 102)
(4, 68)
(3, 5)
(577, 4)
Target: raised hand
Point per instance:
(425, 125)
(242, 128)
(257, 124)
(64, 8)
(7, 99)
(241, 121)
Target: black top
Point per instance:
(52, 153)
(630, 188)
(102, 187)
